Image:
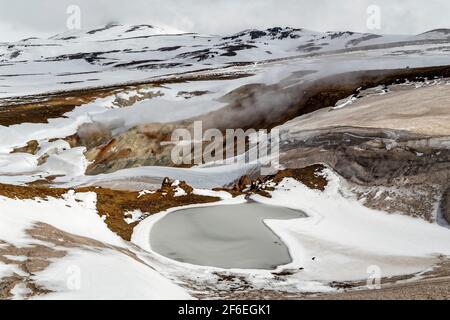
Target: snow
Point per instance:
(70, 163)
(179, 192)
(197, 177)
(85, 272)
(144, 192)
(344, 103)
(17, 163)
(136, 216)
(75, 213)
(7, 270)
(54, 147)
(341, 232)
(209, 193)
(79, 58)
(20, 291)
(16, 258)
(107, 276)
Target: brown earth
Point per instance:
(311, 176)
(40, 108)
(38, 258)
(31, 147)
(113, 204)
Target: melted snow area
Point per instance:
(188, 75)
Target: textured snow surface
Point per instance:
(105, 276)
(85, 272)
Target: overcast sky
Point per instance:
(24, 18)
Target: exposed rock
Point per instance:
(140, 146)
(31, 148)
(390, 170)
(243, 183)
(166, 186)
(93, 134)
(312, 176)
(445, 205)
(187, 188)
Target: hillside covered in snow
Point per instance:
(86, 171)
(117, 54)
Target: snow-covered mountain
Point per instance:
(120, 53)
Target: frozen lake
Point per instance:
(227, 236)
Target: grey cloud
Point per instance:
(45, 17)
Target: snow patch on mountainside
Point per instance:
(121, 53)
(107, 276)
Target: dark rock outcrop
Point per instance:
(445, 205)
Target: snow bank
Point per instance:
(341, 238)
(109, 271)
(106, 276)
(75, 213)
